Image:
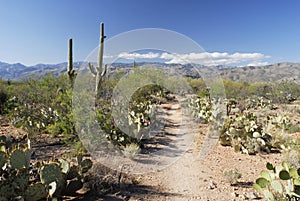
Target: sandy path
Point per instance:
(192, 178)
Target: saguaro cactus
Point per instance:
(71, 71)
(98, 71)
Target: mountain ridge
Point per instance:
(267, 73)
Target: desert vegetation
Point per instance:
(261, 118)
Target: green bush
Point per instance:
(45, 105)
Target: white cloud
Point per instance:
(135, 55)
(214, 58)
(204, 58)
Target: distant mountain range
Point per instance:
(268, 73)
(19, 71)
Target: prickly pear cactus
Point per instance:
(51, 173)
(279, 183)
(18, 159)
(201, 108)
(7, 190)
(73, 175)
(27, 154)
(2, 147)
(3, 159)
(245, 133)
(21, 180)
(36, 192)
(64, 165)
(40, 180)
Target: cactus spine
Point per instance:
(98, 71)
(71, 71)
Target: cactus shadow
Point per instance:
(149, 191)
(140, 191)
(243, 184)
(91, 197)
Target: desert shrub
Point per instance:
(232, 176)
(280, 92)
(283, 92)
(261, 89)
(7, 98)
(198, 86)
(65, 124)
(3, 100)
(130, 150)
(293, 128)
(239, 90)
(45, 105)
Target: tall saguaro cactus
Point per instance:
(71, 71)
(99, 71)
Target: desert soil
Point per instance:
(191, 177)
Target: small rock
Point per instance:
(252, 196)
(212, 185)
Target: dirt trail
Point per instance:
(181, 179)
(192, 178)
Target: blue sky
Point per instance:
(268, 31)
